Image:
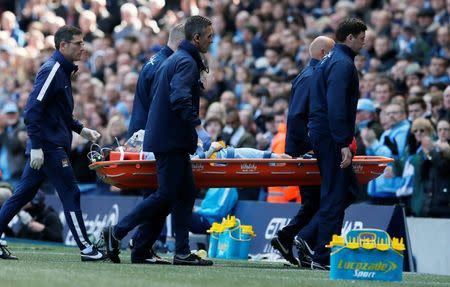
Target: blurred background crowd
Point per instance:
(259, 47)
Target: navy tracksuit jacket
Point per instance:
(333, 98)
(143, 96)
(147, 234)
(297, 144)
(170, 134)
(297, 140)
(49, 122)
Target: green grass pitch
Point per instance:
(48, 266)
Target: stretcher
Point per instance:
(130, 172)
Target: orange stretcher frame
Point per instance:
(130, 173)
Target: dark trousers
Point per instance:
(176, 192)
(310, 204)
(200, 224)
(146, 234)
(59, 172)
(336, 194)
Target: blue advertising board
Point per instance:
(266, 218)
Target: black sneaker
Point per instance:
(304, 252)
(318, 266)
(111, 244)
(192, 259)
(285, 249)
(152, 258)
(94, 255)
(5, 253)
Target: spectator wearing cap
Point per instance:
(413, 75)
(13, 143)
(366, 117)
(438, 72)
(442, 48)
(427, 26)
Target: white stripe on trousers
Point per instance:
(79, 234)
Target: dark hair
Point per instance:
(65, 33)
(416, 100)
(437, 56)
(213, 119)
(195, 25)
(385, 81)
(349, 26)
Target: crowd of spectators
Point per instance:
(259, 47)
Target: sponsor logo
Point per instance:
(368, 267)
(248, 167)
(94, 225)
(65, 162)
(274, 225)
(152, 60)
(363, 274)
(197, 166)
(358, 168)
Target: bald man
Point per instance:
(297, 144)
(146, 235)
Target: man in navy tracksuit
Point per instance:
(49, 122)
(297, 144)
(143, 97)
(171, 133)
(334, 94)
(147, 234)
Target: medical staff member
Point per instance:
(49, 121)
(172, 130)
(333, 96)
(146, 235)
(143, 96)
(297, 144)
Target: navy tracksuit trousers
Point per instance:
(146, 235)
(310, 204)
(59, 172)
(176, 192)
(336, 194)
